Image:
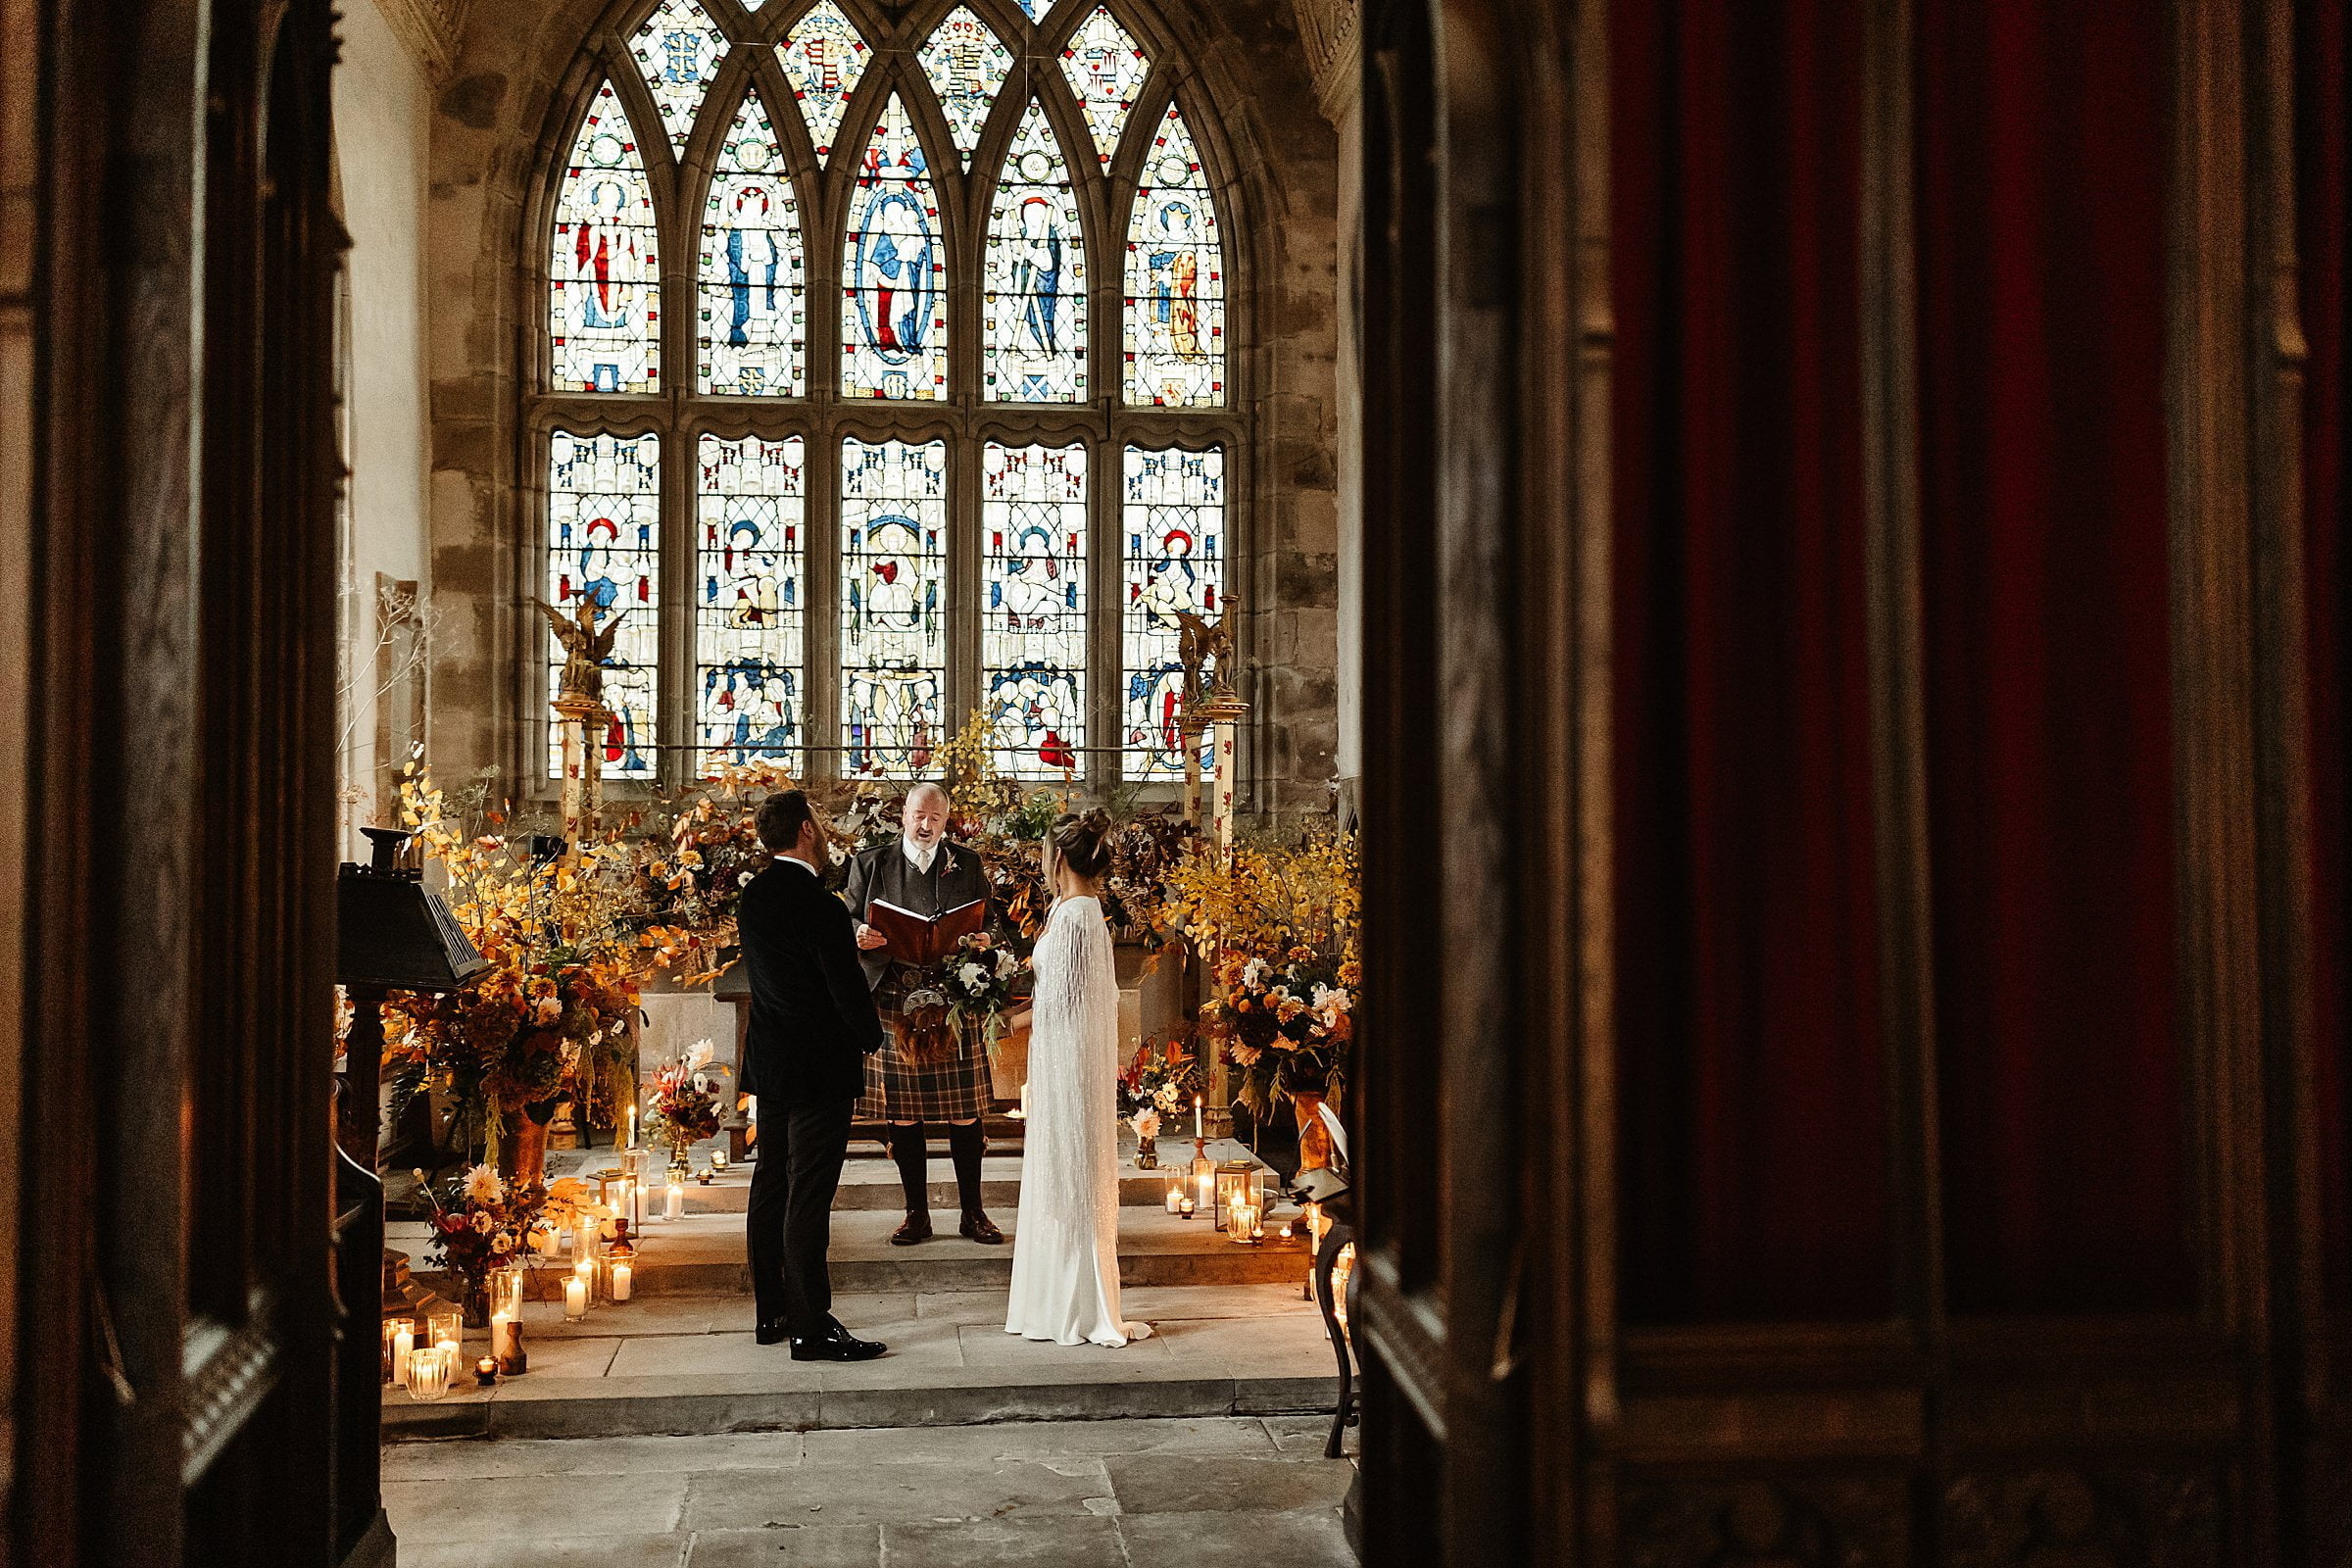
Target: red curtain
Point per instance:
(2040, 162)
(2321, 209)
(1754, 1110)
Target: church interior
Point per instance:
(1693, 655)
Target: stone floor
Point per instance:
(1121, 1494)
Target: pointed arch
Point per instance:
(1175, 300)
(824, 57)
(679, 49)
(752, 314)
(965, 63)
(894, 272)
(1034, 303)
(1106, 69)
(605, 270)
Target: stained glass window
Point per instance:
(604, 535)
(605, 296)
(894, 318)
(1173, 517)
(1032, 304)
(1031, 8)
(894, 605)
(1175, 279)
(1105, 67)
(751, 332)
(678, 50)
(749, 596)
(824, 60)
(1033, 607)
(966, 64)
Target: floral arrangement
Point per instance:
(1158, 1084)
(486, 1223)
(568, 948)
(981, 980)
(1279, 926)
(681, 1111)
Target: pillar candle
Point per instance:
(404, 1346)
(621, 1273)
(575, 1298)
(1196, 1118)
(1175, 1197)
(673, 1200)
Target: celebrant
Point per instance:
(903, 894)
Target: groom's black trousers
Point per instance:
(792, 1182)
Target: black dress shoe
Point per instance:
(771, 1334)
(918, 1228)
(836, 1343)
(978, 1227)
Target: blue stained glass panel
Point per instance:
(894, 316)
(752, 330)
(678, 50)
(1173, 528)
(603, 546)
(894, 606)
(1032, 280)
(605, 273)
(1033, 607)
(751, 601)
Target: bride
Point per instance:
(1065, 1258)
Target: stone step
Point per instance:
(680, 1365)
(705, 1255)
(874, 1190)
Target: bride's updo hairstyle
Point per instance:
(1083, 844)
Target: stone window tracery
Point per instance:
(913, 472)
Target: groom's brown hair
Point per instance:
(781, 818)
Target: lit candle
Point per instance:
(583, 1246)
(719, 1159)
(1184, 1209)
(403, 1350)
(485, 1372)
(576, 1298)
(1196, 1118)
(449, 1354)
(1175, 1196)
(1208, 1192)
(673, 1200)
(429, 1374)
(1241, 1222)
(621, 1273)
(502, 1337)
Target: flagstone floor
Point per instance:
(1132, 1493)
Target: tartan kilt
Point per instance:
(899, 1090)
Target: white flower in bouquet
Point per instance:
(973, 977)
(484, 1186)
(549, 1010)
(1168, 1098)
(1332, 1000)
(699, 1054)
(1005, 963)
(1146, 1125)
(483, 1223)
(1254, 974)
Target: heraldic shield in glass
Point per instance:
(894, 318)
(894, 598)
(1173, 517)
(605, 291)
(604, 548)
(752, 327)
(1106, 68)
(1175, 279)
(824, 59)
(1033, 603)
(750, 636)
(678, 52)
(1033, 282)
(966, 64)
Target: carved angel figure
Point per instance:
(587, 646)
(1203, 641)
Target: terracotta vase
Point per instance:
(1314, 1139)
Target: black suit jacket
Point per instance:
(812, 1015)
(955, 878)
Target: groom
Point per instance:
(813, 1025)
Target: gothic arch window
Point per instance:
(886, 378)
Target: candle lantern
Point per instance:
(400, 1338)
(429, 1374)
(1240, 1224)
(1239, 1182)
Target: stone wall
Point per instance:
(499, 126)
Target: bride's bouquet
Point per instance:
(982, 980)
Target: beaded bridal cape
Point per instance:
(1065, 1256)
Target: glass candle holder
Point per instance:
(428, 1375)
(576, 1298)
(445, 1327)
(719, 1159)
(400, 1338)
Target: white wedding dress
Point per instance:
(1065, 1242)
